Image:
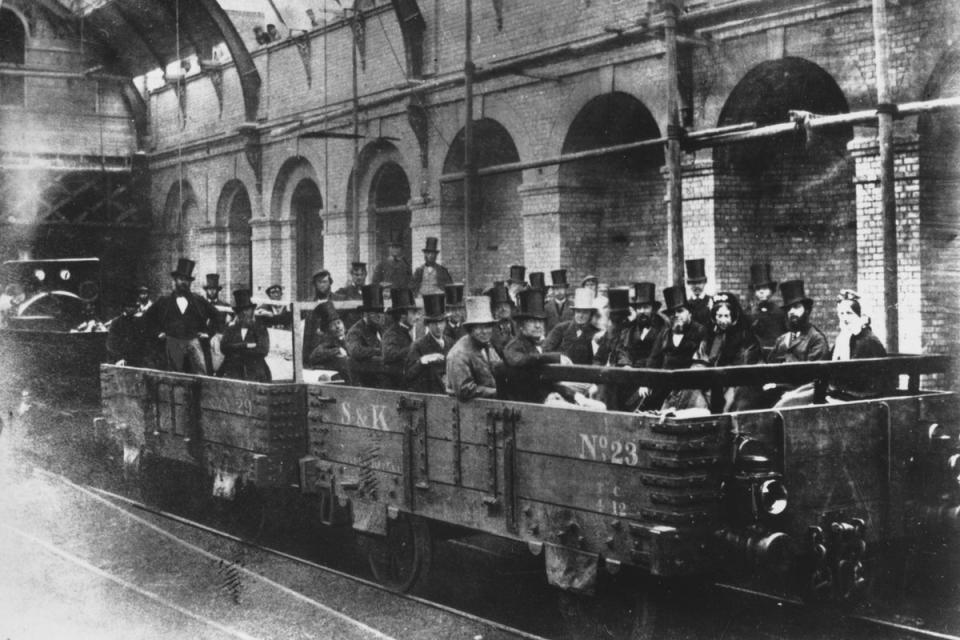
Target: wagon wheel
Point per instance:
(401, 558)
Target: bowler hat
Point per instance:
(760, 276)
(619, 299)
(559, 277)
(213, 281)
(431, 245)
(530, 305)
(478, 311)
(517, 273)
(401, 299)
(645, 293)
(184, 269)
(274, 287)
(538, 280)
(696, 270)
(792, 292)
(675, 297)
(371, 296)
(583, 299)
(453, 294)
(498, 295)
(434, 308)
(241, 300)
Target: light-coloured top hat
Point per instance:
(583, 299)
(478, 310)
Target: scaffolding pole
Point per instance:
(469, 164)
(674, 132)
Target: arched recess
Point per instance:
(234, 213)
(496, 225)
(613, 219)
(297, 198)
(939, 205)
(13, 41)
(790, 199)
(181, 218)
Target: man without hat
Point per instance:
(364, 340)
(395, 270)
(323, 313)
(453, 301)
(559, 307)
(274, 314)
(425, 368)
(245, 343)
(358, 278)
(431, 276)
(399, 336)
(143, 299)
(472, 363)
(181, 319)
(700, 302)
(524, 356)
(767, 318)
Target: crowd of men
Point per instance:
(434, 339)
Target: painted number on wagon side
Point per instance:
(604, 449)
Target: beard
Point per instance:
(182, 287)
(643, 321)
(679, 326)
(795, 323)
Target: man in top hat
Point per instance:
(611, 350)
(453, 301)
(516, 282)
(430, 277)
(245, 343)
(181, 319)
(676, 347)
(331, 350)
(274, 314)
(647, 325)
(524, 356)
(358, 278)
(472, 363)
(502, 308)
(802, 341)
(700, 303)
(211, 290)
(767, 318)
(126, 340)
(559, 308)
(398, 337)
(425, 368)
(574, 338)
(322, 314)
(363, 341)
(394, 271)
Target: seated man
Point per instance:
(363, 341)
(426, 361)
(453, 302)
(472, 364)
(803, 341)
(524, 356)
(647, 326)
(574, 338)
(330, 351)
(321, 315)
(501, 306)
(398, 337)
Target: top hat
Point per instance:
(792, 292)
(696, 270)
(358, 266)
(559, 277)
(530, 305)
(434, 308)
(583, 299)
(478, 311)
(371, 298)
(453, 294)
(184, 269)
(760, 276)
(645, 293)
(538, 281)
(619, 298)
(274, 287)
(213, 281)
(587, 279)
(241, 299)
(431, 245)
(675, 297)
(517, 273)
(402, 300)
(498, 295)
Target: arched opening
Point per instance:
(388, 205)
(495, 226)
(13, 40)
(181, 217)
(305, 206)
(789, 198)
(234, 212)
(612, 211)
(939, 134)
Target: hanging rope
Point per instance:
(181, 122)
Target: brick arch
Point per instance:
(291, 172)
(495, 226)
(235, 254)
(181, 214)
(611, 207)
(297, 200)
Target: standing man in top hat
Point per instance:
(182, 319)
(559, 308)
(699, 302)
(574, 338)
(472, 363)
(524, 356)
(430, 277)
(803, 341)
(647, 326)
(211, 349)
(394, 271)
(767, 318)
(453, 301)
(319, 319)
(425, 370)
(516, 282)
(363, 341)
(502, 308)
(398, 337)
(245, 343)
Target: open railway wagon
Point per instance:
(803, 495)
